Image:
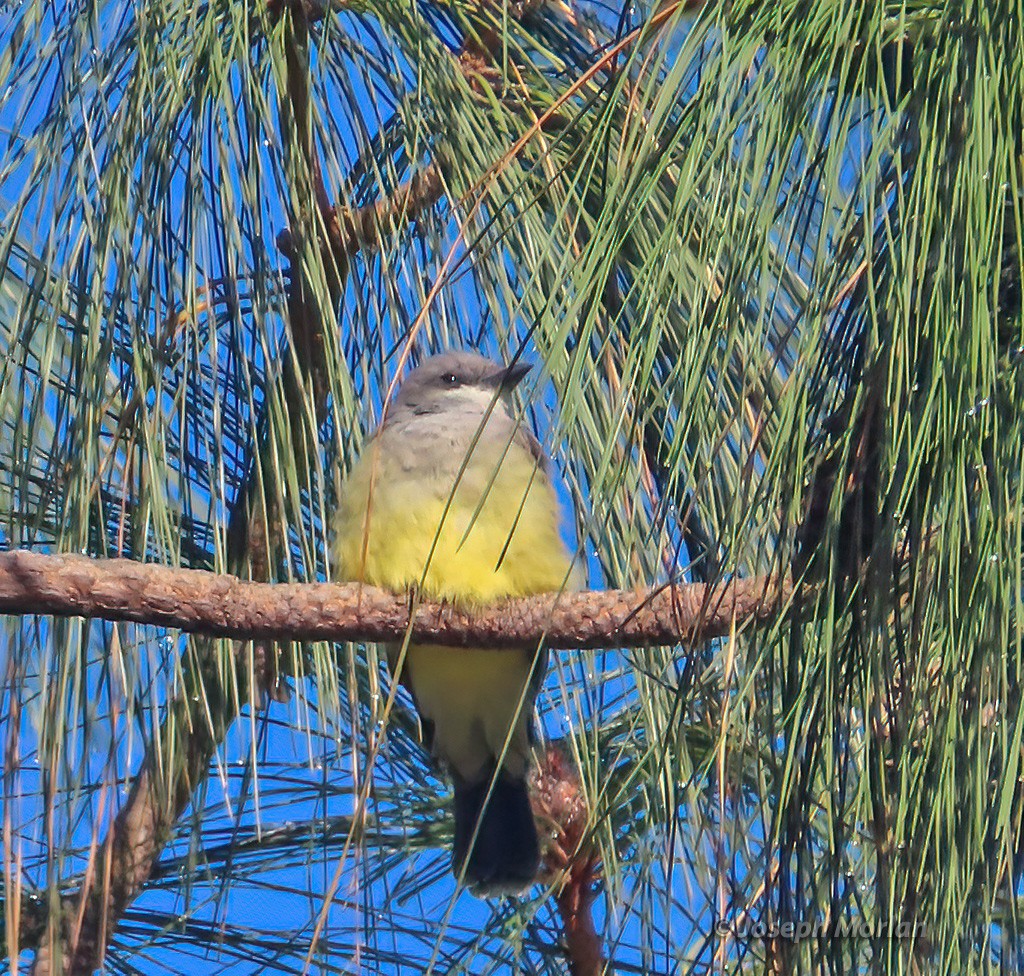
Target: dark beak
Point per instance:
(507, 379)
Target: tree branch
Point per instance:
(559, 801)
(351, 230)
(225, 606)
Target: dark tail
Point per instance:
(505, 854)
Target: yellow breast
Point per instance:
(472, 537)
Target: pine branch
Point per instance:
(351, 230)
(200, 602)
(558, 800)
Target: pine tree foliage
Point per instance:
(767, 258)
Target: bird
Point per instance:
(453, 499)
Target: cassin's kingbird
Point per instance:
(453, 497)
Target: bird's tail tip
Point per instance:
(495, 836)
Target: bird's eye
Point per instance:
(449, 379)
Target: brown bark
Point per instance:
(352, 230)
(583, 946)
(225, 606)
(560, 804)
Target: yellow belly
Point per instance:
(495, 535)
(474, 697)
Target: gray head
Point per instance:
(457, 381)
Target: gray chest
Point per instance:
(436, 446)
